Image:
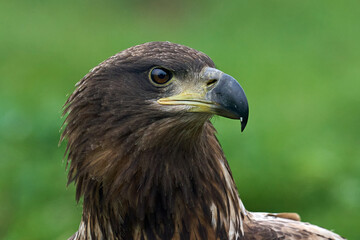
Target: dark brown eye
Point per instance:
(160, 75)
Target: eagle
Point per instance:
(143, 154)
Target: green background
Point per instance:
(298, 61)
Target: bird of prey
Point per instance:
(144, 157)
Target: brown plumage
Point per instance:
(144, 156)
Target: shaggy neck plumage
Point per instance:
(172, 185)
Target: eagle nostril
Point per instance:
(211, 82)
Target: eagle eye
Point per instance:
(160, 75)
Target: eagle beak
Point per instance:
(229, 99)
(218, 94)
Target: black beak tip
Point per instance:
(243, 121)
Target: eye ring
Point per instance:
(160, 76)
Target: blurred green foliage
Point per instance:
(298, 61)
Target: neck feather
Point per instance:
(163, 186)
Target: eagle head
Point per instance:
(141, 148)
